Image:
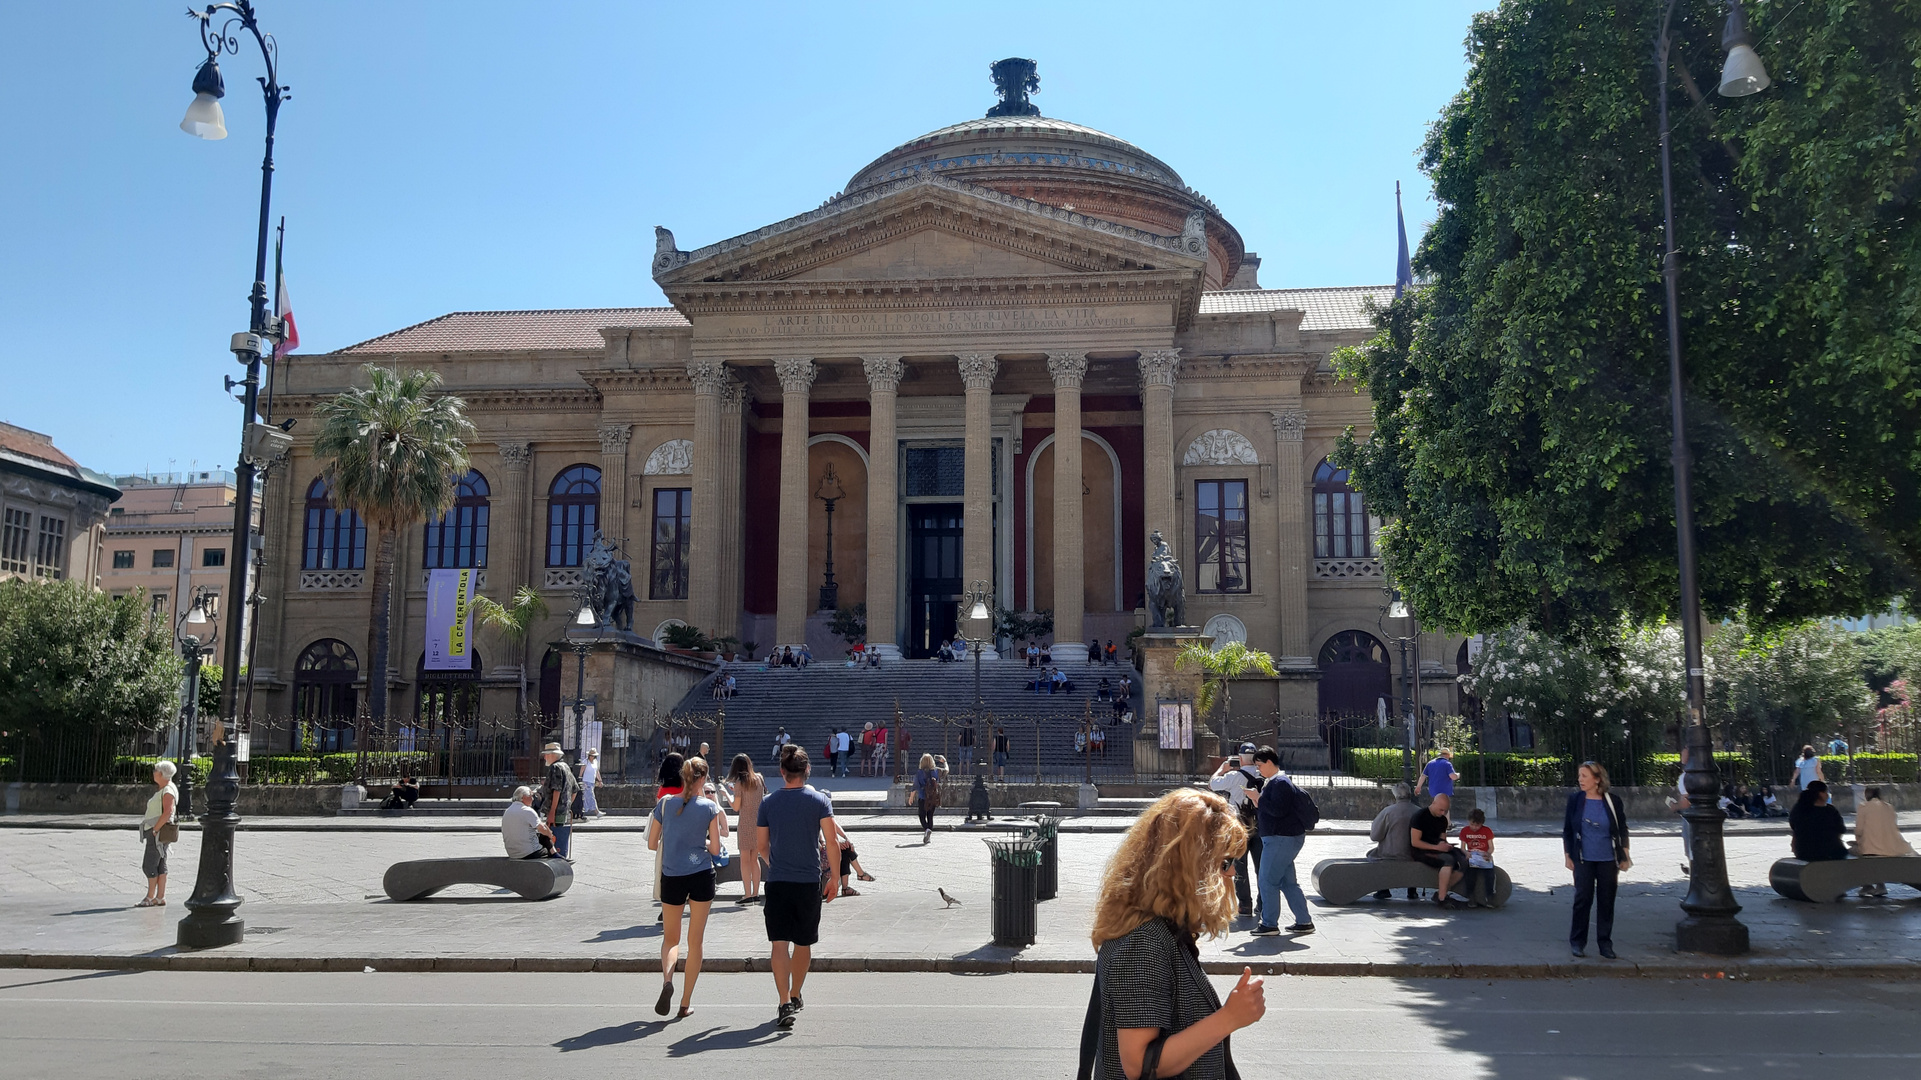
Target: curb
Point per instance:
(962, 965)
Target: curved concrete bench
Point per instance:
(1343, 881)
(535, 879)
(1829, 880)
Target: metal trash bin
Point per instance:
(1047, 832)
(1017, 865)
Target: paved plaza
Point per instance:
(313, 900)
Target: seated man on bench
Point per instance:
(522, 831)
(1877, 833)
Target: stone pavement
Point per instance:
(313, 901)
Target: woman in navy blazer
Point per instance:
(1594, 836)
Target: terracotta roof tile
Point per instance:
(1327, 309)
(480, 331)
(32, 444)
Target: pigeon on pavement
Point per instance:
(943, 895)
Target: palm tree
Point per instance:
(514, 621)
(1231, 661)
(394, 453)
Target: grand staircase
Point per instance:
(933, 698)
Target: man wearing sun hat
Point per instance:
(557, 799)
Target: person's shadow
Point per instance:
(650, 930)
(721, 1038)
(610, 1036)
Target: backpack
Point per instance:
(1301, 813)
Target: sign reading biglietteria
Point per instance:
(450, 620)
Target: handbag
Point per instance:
(720, 860)
(168, 833)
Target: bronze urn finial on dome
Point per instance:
(1015, 78)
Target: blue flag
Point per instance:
(1403, 269)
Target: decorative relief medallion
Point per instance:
(674, 458)
(1225, 628)
(796, 374)
(1159, 366)
(977, 370)
(1221, 446)
(614, 438)
(883, 373)
(1290, 425)
(1067, 368)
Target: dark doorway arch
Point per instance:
(1354, 674)
(325, 700)
(549, 687)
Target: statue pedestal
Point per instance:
(1164, 681)
(628, 679)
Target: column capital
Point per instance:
(1067, 368)
(977, 370)
(734, 394)
(515, 455)
(1159, 366)
(796, 374)
(883, 372)
(1289, 424)
(614, 437)
(708, 376)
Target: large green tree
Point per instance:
(76, 662)
(394, 451)
(1521, 438)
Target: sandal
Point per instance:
(145, 901)
(864, 876)
(685, 1012)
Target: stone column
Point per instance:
(1291, 540)
(977, 371)
(509, 527)
(704, 527)
(734, 400)
(1068, 369)
(790, 594)
(1158, 369)
(613, 479)
(883, 504)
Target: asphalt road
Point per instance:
(57, 1024)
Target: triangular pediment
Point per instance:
(926, 227)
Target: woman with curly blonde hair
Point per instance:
(1154, 1013)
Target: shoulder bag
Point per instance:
(168, 833)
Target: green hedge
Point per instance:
(1895, 768)
(1503, 770)
(138, 769)
(1664, 770)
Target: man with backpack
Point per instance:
(1284, 815)
(1237, 782)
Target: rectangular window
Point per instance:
(1220, 536)
(673, 517)
(214, 557)
(14, 541)
(162, 558)
(50, 557)
(160, 604)
(123, 560)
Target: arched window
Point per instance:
(458, 540)
(324, 695)
(573, 513)
(1342, 527)
(335, 539)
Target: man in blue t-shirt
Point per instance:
(1438, 776)
(795, 823)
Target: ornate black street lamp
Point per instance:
(1409, 646)
(976, 609)
(585, 618)
(260, 443)
(188, 631)
(829, 492)
(1710, 925)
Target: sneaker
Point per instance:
(1301, 929)
(1267, 931)
(784, 1020)
(927, 837)
(798, 1003)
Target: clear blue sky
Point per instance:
(453, 156)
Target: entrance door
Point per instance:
(933, 575)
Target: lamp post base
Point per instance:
(1715, 935)
(210, 928)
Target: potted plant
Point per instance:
(728, 646)
(686, 640)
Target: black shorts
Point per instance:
(699, 888)
(1438, 859)
(792, 909)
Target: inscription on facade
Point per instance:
(976, 321)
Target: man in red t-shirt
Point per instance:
(1478, 841)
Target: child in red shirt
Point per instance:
(1478, 841)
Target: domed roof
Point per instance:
(1020, 141)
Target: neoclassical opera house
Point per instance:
(1008, 351)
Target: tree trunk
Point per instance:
(378, 628)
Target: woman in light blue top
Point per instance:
(687, 829)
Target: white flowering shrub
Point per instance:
(1581, 700)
